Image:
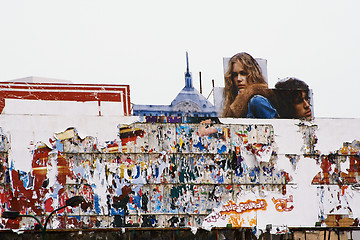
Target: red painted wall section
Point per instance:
(66, 92)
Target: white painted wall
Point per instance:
(30, 127)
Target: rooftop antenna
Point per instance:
(188, 79)
(187, 63)
(212, 90)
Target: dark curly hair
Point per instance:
(288, 99)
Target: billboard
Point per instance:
(246, 93)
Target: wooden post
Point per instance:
(200, 82)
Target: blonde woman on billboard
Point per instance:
(246, 92)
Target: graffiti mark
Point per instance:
(215, 218)
(281, 204)
(249, 205)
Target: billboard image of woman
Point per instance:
(246, 93)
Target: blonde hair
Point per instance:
(254, 76)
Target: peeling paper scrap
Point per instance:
(194, 230)
(18, 231)
(67, 134)
(207, 228)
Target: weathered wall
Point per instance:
(243, 172)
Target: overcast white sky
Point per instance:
(143, 43)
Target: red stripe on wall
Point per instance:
(66, 92)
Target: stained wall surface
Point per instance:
(170, 172)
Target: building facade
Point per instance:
(55, 96)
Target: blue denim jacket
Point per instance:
(260, 107)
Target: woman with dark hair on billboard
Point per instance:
(246, 92)
(294, 99)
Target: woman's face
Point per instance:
(302, 108)
(239, 76)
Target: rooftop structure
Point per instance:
(189, 102)
(34, 95)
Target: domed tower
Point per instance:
(189, 102)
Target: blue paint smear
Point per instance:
(293, 160)
(199, 145)
(248, 128)
(11, 166)
(241, 169)
(119, 186)
(59, 146)
(57, 188)
(77, 217)
(137, 173)
(137, 201)
(153, 221)
(182, 128)
(157, 202)
(114, 212)
(253, 174)
(23, 176)
(156, 174)
(222, 149)
(268, 170)
(220, 179)
(96, 204)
